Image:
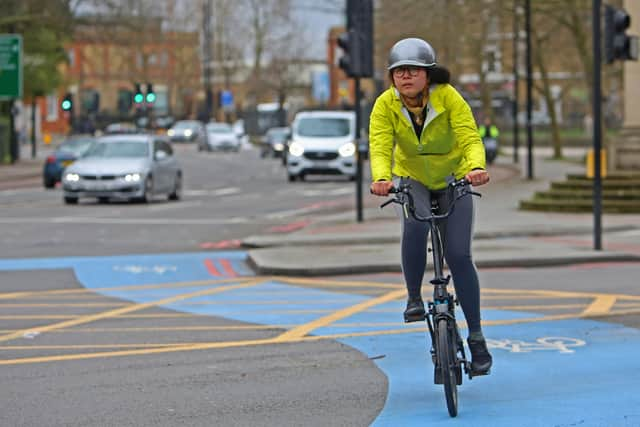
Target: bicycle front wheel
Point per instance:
(447, 365)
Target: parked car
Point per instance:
(187, 131)
(322, 142)
(132, 167)
(275, 142)
(221, 136)
(120, 128)
(66, 153)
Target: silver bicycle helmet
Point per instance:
(412, 51)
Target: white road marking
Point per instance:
(167, 206)
(126, 221)
(218, 192)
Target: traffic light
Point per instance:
(138, 96)
(67, 102)
(349, 60)
(357, 42)
(151, 95)
(617, 44)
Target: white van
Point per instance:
(322, 142)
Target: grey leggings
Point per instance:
(456, 234)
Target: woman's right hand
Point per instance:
(381, 188)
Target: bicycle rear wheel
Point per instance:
(447, 362)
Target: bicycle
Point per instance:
(447, 347)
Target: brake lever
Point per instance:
(387, 203)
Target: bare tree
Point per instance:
(266, 21)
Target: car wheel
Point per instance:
(71, 200)
(148, 191)
(103, 199)
(49, 182)
(292, 178)
(177, 189)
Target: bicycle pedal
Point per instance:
(410, 319)
(479, 373)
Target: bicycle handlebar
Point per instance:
(404, 197)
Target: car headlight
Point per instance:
(72, 177)
(171, 132)
(348, 149)
(296, 149)
(278, 146)
(188, 132)
(132, 177)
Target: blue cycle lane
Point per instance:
(546, 373)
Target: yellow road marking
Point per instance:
(62, 304)
(193, 283)
(88, 346)
(72, 316)
(167, 328)
(302, 330)
(602, 304)
(173, 349)
(277, 340)
(11, 295)
(337, 283)
(128, 309)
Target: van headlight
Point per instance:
(72, 177)
(347, 150)
(296, 149)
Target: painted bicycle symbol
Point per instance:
(559, 344)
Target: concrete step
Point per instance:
(607, 184)
(612, 175)
(580, 194)
(579, 205)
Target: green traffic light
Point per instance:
(138, 98)
(66, 105)
(151, 97)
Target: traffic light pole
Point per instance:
(359, 216)
(597, 127)
(527, 20)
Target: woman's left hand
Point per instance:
(477, 177)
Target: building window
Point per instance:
(71, 55)
(52, 108)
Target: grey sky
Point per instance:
(318, 18)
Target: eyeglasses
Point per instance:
(401, 71)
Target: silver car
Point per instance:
(133, 167)
(221, 136)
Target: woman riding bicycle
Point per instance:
(422, 131)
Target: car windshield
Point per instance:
(323, 127)
(219, 128)
(185, 125)
(110, 150)
(76, 147)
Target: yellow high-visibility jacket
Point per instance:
(449, 143)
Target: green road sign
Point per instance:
(10, 66)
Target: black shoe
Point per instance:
(481, 359)
(415, 310)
